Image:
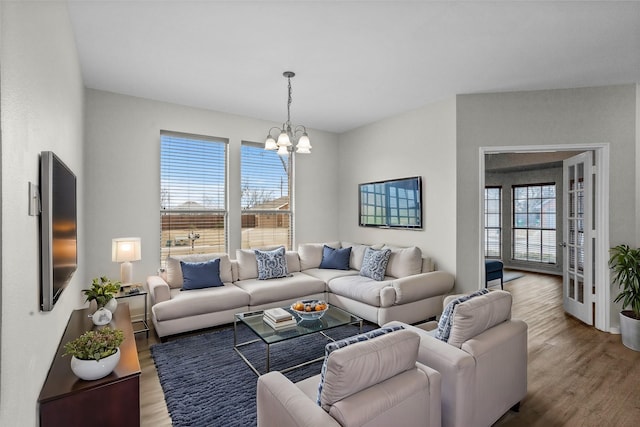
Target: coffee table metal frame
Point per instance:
(333, 318)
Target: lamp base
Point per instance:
(126, 272)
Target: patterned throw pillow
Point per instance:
(336, 259)
(271, 264)
(348, 341)
(374, 263)
(198, 275)
(446, 320)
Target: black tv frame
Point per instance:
(411, 183)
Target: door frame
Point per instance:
(602, 297)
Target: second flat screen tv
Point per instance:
(393, 203)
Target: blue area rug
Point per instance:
(206, 383)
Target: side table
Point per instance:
(142, 325)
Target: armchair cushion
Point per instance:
(381, 358)
(478, 314)
(446, 320)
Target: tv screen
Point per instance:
(58, 228)
(394, 203)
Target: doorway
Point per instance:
(601, 288)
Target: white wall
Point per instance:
(122, 167)
(420, 142)
(41, 107)
(570, 116)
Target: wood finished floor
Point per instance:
(577, 375)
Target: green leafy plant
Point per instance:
(95, 345)
(102, 290)
(625, 263)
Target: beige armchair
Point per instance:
(370, 383)
(484, 362)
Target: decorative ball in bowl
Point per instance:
(310, 309)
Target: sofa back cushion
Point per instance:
(353, 368)
(404, 262)
(357, 253)
(478, 314)
(311, 254)
(248, 264)
(174, 270)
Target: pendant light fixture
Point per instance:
(289, 135)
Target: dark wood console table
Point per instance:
(66, 400)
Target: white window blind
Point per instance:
(534, 223)
(193, 209)
(267, 214)
(493, 222)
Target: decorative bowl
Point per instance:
(313, 314)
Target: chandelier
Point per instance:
(289, 134)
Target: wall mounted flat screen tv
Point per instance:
(394, 203)
(58, 228)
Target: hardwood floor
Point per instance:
(577, 375)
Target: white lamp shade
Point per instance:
(304, 145)
(126, 249)
(282, 151)
(270, 144)
(283, 140)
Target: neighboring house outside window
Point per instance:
(493, 222)
(534, 223)
(267, 215)
(193, 211)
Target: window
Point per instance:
(267, 215)
(493, 222)
(192, 194)
(534, 223)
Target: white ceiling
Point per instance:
(355, 61)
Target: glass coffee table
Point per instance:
(333, 318)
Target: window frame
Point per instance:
(540, 229)
(486, 221)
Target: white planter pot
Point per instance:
(95, 369)
(102, 316)
(630, 330)
(112, 305)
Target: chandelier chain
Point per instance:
(289, 102)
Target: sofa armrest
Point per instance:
(421, 286)
(280, 403)
(158, 289)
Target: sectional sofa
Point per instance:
(410, 291)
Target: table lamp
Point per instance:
(125, 250)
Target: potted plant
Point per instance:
(95, 353)
(625, 263)
(103, 290)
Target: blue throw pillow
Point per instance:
(198, 275)
(374, 263)
(348, 341)
(336, 259)
(446, 320)
(271, 264)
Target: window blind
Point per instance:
(534, 223)
(267, 214)
(193, 209)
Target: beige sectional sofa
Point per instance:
(410, 292)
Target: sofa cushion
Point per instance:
(357, 253)
(174, 270)
(358, 288)
(478, 314)
(271, 264)
(295, 286)
(326, 275)
(374, 263)
(404, 262)
(446, 319)
(201, 301)
(335, 259)
(311, 254)
(198, 275)
(350, 369)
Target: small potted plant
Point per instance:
(95, 354)
(625, 263)
(102, 291)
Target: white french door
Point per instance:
(578, 282)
